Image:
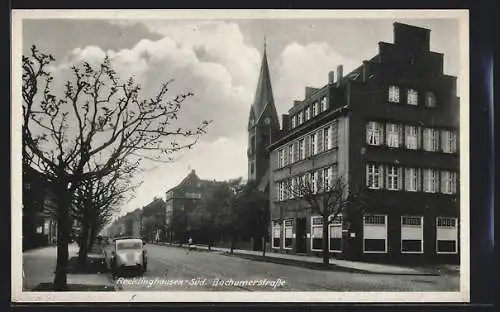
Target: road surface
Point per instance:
(172, 268)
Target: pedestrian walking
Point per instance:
(190, 244)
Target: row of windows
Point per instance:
(411, 137)
(316, 181)
(412, 234)
(310, 112)
(374, 234)
(311, 144)
(412, 97)
(397, 178)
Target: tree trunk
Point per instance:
(264, 245)
(63, 237)
(232, 242)
(326, 252)
(84, 246)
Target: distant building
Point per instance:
(39, 207)
(180, 202)
(153, 226)
(390, 128)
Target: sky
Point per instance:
(219, 61)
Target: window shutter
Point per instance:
(296, 151)
(382, 131)
(400, 135)
(400, 178)
(319, 137)
(381, 176)
(307, 142)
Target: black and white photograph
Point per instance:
(240, 155)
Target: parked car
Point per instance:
(126, 255)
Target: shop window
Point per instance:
(412, 234)
(375, 234)
(317, 233)
(446, 235)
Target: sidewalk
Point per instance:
(353, 266)
(39, 267)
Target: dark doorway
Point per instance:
(300, 237)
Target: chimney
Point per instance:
(365, 71)
(309, 91)
(339, 74)
(285, 122)
(331, 77)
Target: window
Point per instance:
(296, 153)
(307, 113)
(375, 234)
(315, 109)
(300, 118)
(374, 133)
(393, 178)
(431, 140)
(374, 176)
(393, 134)
(412, 97)
(430, 180)
(446, 235)
(430, 99)
(276, 234)
(412, 234)
(39, 229)
(319, 180)
(317, 233)
(288, 234)
(411, 140)
(294, 121)
(282, 190)
(321, 145)
(290, 153)
(412, 179)
(393, 94)
(448, 182)
(314, 145)
(313, 181)
(281, 158)
(448, 141)
(327, 138)
(302, 149)
(334, 134)
(335, 229)
(327, 178)
(324, 104)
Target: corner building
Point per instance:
(390, 128)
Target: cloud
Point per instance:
(299, 66)
(213, 62)
(221, 70)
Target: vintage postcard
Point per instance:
(240, 156)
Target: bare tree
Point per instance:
(328, 197)
(96, 201)
(92, 129)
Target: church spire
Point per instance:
(264, 93)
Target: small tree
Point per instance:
(327, 198)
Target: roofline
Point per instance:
(339, 111)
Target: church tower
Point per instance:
(263, 127)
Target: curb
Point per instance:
(320, 266)
(305, 264)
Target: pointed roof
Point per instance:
(264, 93)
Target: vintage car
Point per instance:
(126, 255)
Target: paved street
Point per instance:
(170, 266)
